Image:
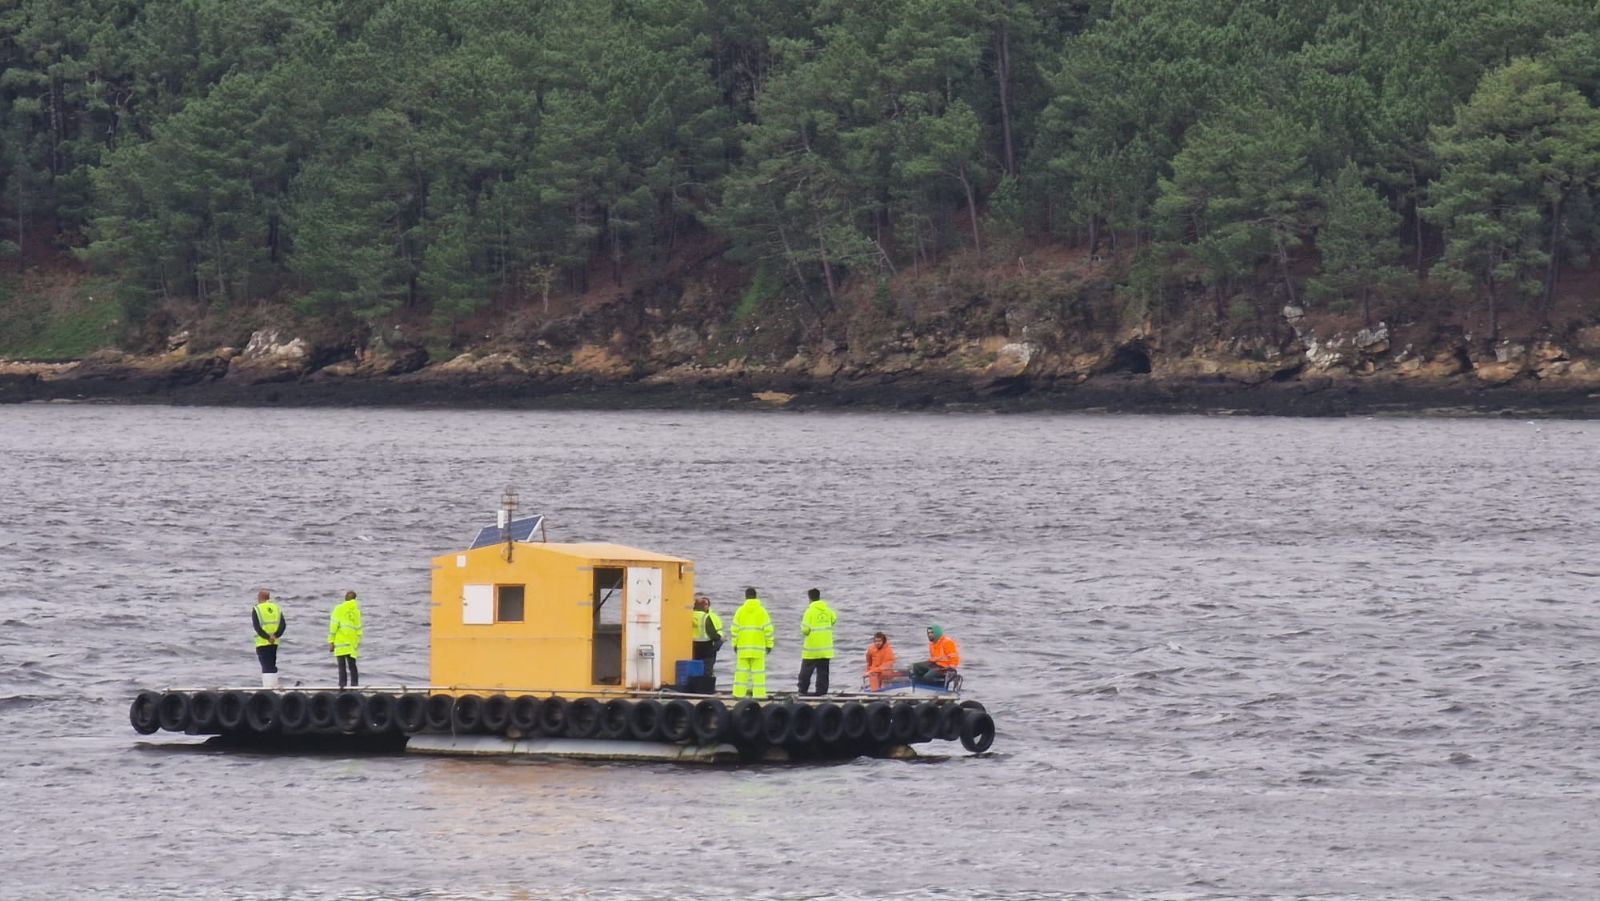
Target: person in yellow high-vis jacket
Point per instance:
(752, 642)
(268, 622)
(816, 654)
(708, 634)
(344, 638)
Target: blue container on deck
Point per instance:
(688, 668)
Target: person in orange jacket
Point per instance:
(880, 661)
(943, 658)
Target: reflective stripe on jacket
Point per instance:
(817, 627)
(344, 629)
(943, 652)
(268, 617)
(752, 628)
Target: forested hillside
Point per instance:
(349, 162)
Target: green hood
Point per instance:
(938, 632)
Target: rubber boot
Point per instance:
(266, 680)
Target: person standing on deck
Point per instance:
(752, 642)
(707, 633)
(269, 623)
(344, 638)
(816, 653)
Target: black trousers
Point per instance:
(268, 655)
(820, 667)
(706, 651)
(345, 660)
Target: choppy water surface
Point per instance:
(1273, 658)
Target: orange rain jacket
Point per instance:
(880, 663)
(880, 660)
(943, 652)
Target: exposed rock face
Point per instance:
(270, 356)
(1341, 352)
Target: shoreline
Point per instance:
(1118, 393)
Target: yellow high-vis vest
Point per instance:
(270, 616)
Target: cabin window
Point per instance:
(607, 658)
(508, 603)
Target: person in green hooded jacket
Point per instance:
(943, 658)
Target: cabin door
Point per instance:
(643, 638)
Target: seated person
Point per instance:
(943, 658)
(880, 661)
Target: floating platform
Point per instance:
(622, 726)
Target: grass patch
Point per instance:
(65, 323)
(763, 288)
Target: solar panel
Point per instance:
(521, 530)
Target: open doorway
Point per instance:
(608, 625)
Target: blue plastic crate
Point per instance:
(687, 668)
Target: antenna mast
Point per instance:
(508, 514)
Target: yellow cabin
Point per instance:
(513, 613)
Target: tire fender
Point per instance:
(583, 718)
(712, 723)
(294, 711)
(173, 712)
(677, 720)
(144, 714)
(977, 731)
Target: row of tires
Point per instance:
(747, 723)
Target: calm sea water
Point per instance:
(1228, 658)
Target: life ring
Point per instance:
(977, 731)
(496, 714)
(467, 717)
(261, 712)
(203, 711)
(774, 723)
(830, 723)
(230, 710)
(583, 718)
(173, 711)
(645, 723)
(144, 713)
(746, 718)
(411, 712)
(927, 721)
(380, 716)
(802, 723)
(949, 728)
(905, 722)
(879, 721)
(614, 716)
(677, 720)
(525, 715)
(294, 711)
(712, 723)
(441, 713)
(553, 716)
(321, 714)
(854, 717)
(349, 711)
